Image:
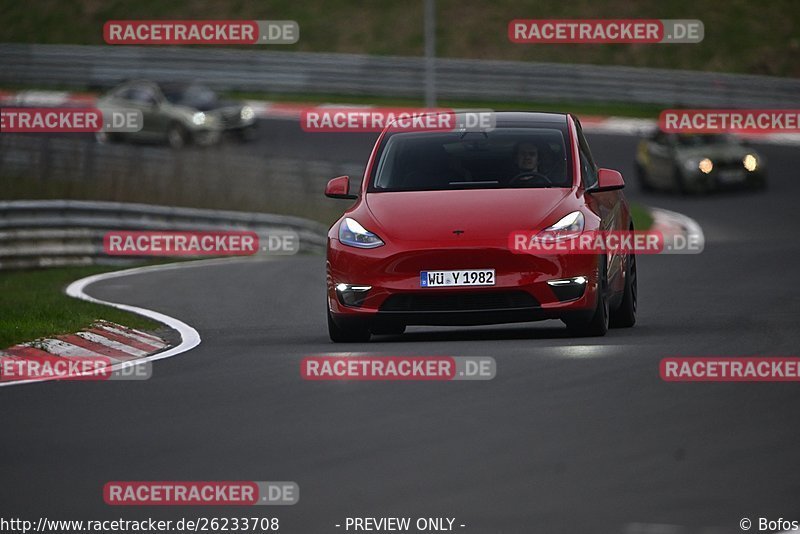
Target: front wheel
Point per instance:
(625, 315)
(177, 136)
(354, 331)
(107, 137)
(246, 135)
(596, 324)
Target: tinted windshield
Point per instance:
(703, 140)
(195, 96)
(502, 158)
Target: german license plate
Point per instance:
(468, 277)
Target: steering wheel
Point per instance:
(527, 176)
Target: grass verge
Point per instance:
(740, 36)
(33, 305)
(642, 220)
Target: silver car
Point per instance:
(177, 113)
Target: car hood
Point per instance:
(219, 105)
(480, 213)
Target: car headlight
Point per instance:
(247, 113)
(750, 162)
(353, 234)
(199, 118)
(568, 226)
(705, 165)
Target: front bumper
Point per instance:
(206, 136)
(232, 121)
(727, 178)
(521, 291)
(240, 126)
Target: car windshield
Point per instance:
(195, 96)
(501, 158)
(703, 139)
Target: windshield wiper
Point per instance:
(487, 182)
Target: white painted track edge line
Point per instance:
(692, 226)
(190, 338)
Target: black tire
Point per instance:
(177, 136)
(108, 137)
(625, 315)
(246, 135)
(353, 332)
(644, 181)
(594, 324)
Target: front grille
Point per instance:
(728, 164)
(230, 119)
(473, 301)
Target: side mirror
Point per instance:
(339, 187)
(607, 180)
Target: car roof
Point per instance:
(522, 118)
(180, 86)
(515, 117)
(505, 119)
(170, 85)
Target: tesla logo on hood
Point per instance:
(458, 232)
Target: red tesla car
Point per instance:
(427, 240)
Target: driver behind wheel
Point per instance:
(527, 157)
(535, 164)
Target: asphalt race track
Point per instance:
(572, 436)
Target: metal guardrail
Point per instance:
(349, 74)
(228, 176)
(43, 233)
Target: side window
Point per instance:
(588, 171)
(588, 167)
(142, 95)
(125, 94)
